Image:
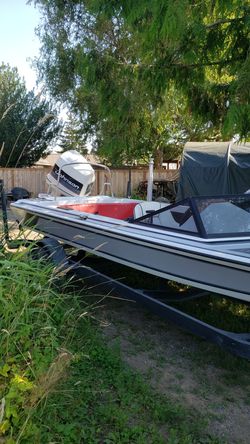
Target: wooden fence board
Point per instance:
(34, 179)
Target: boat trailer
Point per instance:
(156, 301)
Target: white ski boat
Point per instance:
(202, 241)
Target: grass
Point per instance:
(104, 401)
(33, 317)
(60, 383)
(214, 309)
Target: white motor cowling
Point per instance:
(72, 175)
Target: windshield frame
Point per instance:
(192, 202)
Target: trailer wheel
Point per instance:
(50, 250)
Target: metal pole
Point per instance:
(129, 184)
(4, 211)
(150, 180)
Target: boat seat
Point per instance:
(116, 210)
(144, 208)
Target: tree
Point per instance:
(28, 125)
(82, 74)
(117, 62)
(72, 137)
(203, 47)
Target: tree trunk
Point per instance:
(158, 157)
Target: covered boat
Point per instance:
(214, 168)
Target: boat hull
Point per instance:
(125, 244)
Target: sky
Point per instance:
(18, 41)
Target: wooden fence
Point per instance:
(34, 179)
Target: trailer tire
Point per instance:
(50, 250)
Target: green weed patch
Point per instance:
(103, 401)
(33, 321)
(60, 383)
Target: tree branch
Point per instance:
(217, 62)
(223, 21)
(183, 65)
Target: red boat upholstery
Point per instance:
(120, 210)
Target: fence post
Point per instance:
(129, 192)
(150, 179)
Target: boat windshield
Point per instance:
(208, 217)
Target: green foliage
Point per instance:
(145, 77)
(59, 382)
(72, 137)
(104, 401)
(27, 123)
(187, 41)
(33, 319)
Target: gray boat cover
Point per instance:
(214, 168)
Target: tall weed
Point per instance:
(35, 324)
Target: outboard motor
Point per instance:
(72, 175)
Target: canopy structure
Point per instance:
(214, 168)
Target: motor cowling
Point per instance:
(72, 175)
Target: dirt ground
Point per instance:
(192, 372)
(13, 228)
